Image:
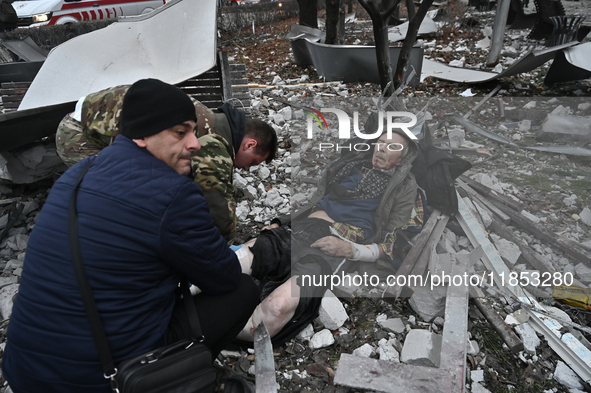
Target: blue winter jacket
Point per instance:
(141, 226)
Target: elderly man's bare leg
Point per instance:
(276, 310)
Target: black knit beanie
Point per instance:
(151, 106)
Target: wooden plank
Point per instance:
(15, 98)
(428, 249)
(495, 320)
(11, 85)
(392, 292)
(490, 193)
(13, 91)
(202, 90)
(567, 246)
(484, 202)
(577, 356)
(238, 67)
(455, 329)
(492, 258)
(243, 82)
(390, 377)
(240, 89)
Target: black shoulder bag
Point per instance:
(182, 367)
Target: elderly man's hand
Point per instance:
(334, 247)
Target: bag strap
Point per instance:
(96, 325)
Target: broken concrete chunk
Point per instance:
(322, 339)
(17, 242)
(586, 216)
(429, 304)
(12, 265)
(565, 129)
(509, 251)
(4, 281)
(422, 348)
(307, 333)
(6, 299)
(478, 388)
(567, 377)
(387, 350)
(364, 351)
(332, 314)
(472, 348)
(477, 375)
(394, 325)
(570, 200)
(584, 273)
(447, 243)
(529, 337)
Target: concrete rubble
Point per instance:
(529, 337)
(332, 314)
(422, 348)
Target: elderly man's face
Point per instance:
(173, 146)
(387, 152)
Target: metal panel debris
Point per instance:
(161, 44)
(26, 49)
(571, 150)
(531, 60)
(481, 131)
(398, 33)
(570, 64)
(357, 63)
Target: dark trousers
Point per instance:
(221, 317)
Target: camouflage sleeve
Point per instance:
(71, 143)
(213, 168)
(205, 119)
(101, 114)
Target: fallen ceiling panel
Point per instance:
(357, 63)
(528, 62)
(173, 43)
(571, 64)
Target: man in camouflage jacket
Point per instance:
(227, 140)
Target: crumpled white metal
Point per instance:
(173, 43)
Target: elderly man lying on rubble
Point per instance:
(228, 139)
(350, 224)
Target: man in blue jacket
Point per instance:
(142, 226)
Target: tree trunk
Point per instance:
(496, 42)
(410, 7)
(335, 22)
(411, 37)
(308, 13)
(379, 14)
